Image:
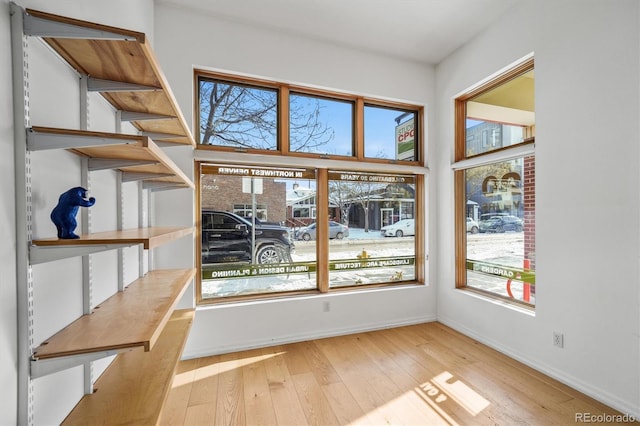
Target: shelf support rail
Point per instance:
(24, 276)
(85, 214)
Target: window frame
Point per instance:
(282, 133)
(322, 164)
(463, 162)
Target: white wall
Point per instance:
(587, 226)
(53, 101)
(185, 39)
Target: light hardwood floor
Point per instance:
(425, 374)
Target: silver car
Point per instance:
(336, 230)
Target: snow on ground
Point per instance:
(505, 249)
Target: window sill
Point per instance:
(499, 300)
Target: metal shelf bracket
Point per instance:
(41, 27)
(44, 367)
(110, 164)
(138, 116)
(102, 85)
(38, 141)
(43, 254)
(135, 176)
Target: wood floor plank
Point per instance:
(369, 385)
(178, 399)
(257, 396)
(316, 407)
(285, 399)
(426, 374)
(205, 381)
(230, 409)
(319, 364)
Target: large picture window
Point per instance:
(495, 187)
(305, 191)
(364, 235)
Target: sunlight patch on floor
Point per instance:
(444, 387)
(218, 367)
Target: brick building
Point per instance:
(222, 192)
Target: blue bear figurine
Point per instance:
(64, 214)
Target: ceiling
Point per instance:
(424, 31)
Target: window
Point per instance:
(371, 230)
(495, 187)
(256, 116)
(273, 225)
(389, 133)
(237, 115)
(320, 125)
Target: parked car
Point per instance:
(336, 230)
(472, 226)
(226, 237)
(502, 224)
(401, 228)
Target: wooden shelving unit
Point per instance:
(130, 319)
(134, 387)
(139, 324)
(121, 65)
(137, 157)
(148, 237)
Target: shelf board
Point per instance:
(125, 61)
(153, 160)
(150, 237)
(130, 319)
(134, 387)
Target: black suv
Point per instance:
(226, 237)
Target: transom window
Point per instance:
(246, 115)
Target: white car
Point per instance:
(472, 226)
(401, 228)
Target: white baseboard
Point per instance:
(586, 388)
(310, 335)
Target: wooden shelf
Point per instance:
(118, 55)
(130, 319)
(150, 237)
(134, 387)
(136, 156)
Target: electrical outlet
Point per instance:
(326, 306)
(558, 339)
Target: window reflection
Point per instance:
(378, 211)
(236, 115)
(390, 133)
(500, 219)
(320, 125)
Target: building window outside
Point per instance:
(495, 187)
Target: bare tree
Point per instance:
(340, 194)
(349, 193)
(246, 117)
